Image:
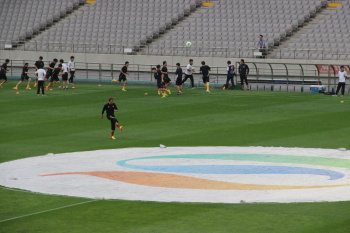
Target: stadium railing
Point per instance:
(286, 76)
(202, 51)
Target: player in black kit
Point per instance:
(178, 73)
(54, 76)
(24, 76)
(205, 72)
(49, 72)
(243, 70)
(110, 108)
(3, 71)
(166, 79)
(123, 74)
(158, 76)
(38, 64)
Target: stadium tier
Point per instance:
(225, 28)
(22, 19)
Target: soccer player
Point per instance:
(341, 84)
(243, 70)
(24, 76)
(178, 73)
(3, 72)
(71, 69)
(160, 81)
(188, 73)
(64, 75)
(204, 70)
(50, 70)
(165, 73)
(54, 77)
(123, 74)
(38, 64)
(41, 77)
(230, 75)
(110, 108)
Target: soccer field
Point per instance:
(68, 121)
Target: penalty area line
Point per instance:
(40, 212)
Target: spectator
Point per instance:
(261, 45)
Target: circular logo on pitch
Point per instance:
(197, 174)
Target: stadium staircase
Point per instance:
(77, 8)
(192, 15)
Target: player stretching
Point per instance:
(71, 69)
(54, 77)
(178, 73)
(3, 72)
(188, 73)
(160, 82)
(341, 84)
(110, 108)
(64, 75)
(49, 72)
(123, 74)
(39, 63)
(24, 76)
(166, 79)
(205, 71)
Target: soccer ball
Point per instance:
(188, 44)
(113, 81)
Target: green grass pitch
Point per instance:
(68, 120)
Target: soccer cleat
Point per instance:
(15, 88)
(34, 85)
(164, 96)
(123, 90)
(335, 95)
(158, 92)
(207, 91)
(169, 92)
(121, 128)
(113, 137)
(28, 88)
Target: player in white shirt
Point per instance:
(64, 75)
(41, 76)
(71, 69)
(341, 84)
(188, 73)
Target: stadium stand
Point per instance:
(22, 19)
(328, 39)
(231, 27)
(106, 27)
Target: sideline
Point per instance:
(62, 207)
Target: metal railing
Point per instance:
(165, 50)
(287, 74)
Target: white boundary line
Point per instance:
(22, 216)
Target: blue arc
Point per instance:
(236, 169)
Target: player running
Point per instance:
(205, 72)
(189, 73)
(24, 76)
(3, 72)
(178, 74)
(49, 72)
(160, 82)
(166, 79)
(110, 108)
(54, 77)
(123, 74)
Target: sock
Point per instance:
(118, 126)
(208, 86)
(112, 134)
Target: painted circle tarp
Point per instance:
(188, 174)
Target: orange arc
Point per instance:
(183, 182)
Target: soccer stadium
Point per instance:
(167, 116)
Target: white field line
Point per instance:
(40, 212)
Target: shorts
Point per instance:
(243, 78)
(3, 76)
(167, 79)
(113, 121)
(160, 85)
(179, 81)
(24, 76)
(64, 77)
(205, 79)
(48, 74)
(54, 78)
(122, 77)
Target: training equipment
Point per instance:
(51, 89)
(17, 92)
(188, 44)
(73, 87)
(341, 101)
(146, 93)
(99, 85)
